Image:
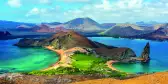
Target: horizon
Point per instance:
(103, 11)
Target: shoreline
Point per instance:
(110, 63)
(62, 58)
(55, 65)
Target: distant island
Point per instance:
(4, 35)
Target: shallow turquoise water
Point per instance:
(15, 59)
(159, 54)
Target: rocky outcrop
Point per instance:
(14, 78)
(31, 43)
(119, 54)
(146, 53)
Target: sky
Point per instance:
(103, 11)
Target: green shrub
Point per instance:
(60, 70)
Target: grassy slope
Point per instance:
(84, 62)
(83, 65)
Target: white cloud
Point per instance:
(105, 5)
(129, 4)
(34, 11)
(45, 1)
(107, 11)
(44, 14)
(14, 3)
(74, 0)
(122, 11)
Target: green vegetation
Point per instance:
(101, 33)
(60, 70)
(84, 64)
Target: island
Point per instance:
(82, 57)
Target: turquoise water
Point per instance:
(159, 54)
(15, 59)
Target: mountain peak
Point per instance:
(83, 24)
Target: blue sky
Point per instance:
(103, 11)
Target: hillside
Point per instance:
(157, 26)
(47, 28)
(159, 34)
(156, 78)
(108, 25)
(124, 30)
(13, 25)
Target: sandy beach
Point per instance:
(109, 64)
(64, 59)
(60, 53)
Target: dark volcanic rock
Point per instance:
(146, 53)
(119, 54)
(30, 43)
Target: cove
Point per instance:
(16, 59)
(159, 54)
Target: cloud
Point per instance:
(123, 11)
(45, 1)
(105, 5)
(45, 14)
(104, 11)
(34, 11)
(75, 0)
(14, 3)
